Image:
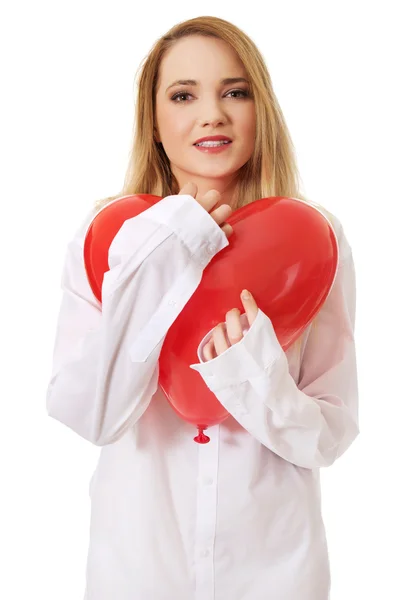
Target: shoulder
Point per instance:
(79, 234)
(78, 237)
(345, 250)
(73, 256)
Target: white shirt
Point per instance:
(236, 518)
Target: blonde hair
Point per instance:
(271, 170)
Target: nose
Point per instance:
(212, 122)
(212, 114)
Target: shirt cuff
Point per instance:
(249, 358)
(193, 225)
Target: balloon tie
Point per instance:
(201, 438)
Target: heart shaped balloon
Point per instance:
(283, 250)
(102, 230)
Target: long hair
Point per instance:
(272, 168)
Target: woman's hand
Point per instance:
(221, 340)
(208, 201)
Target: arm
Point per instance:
(309, 424)
(105, 360)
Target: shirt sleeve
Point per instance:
(313, 422)
(105, 357)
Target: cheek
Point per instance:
(246, 126)
(250, 125)
(173, 123)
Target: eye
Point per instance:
(179, 95)
(244, 93)
(183, 95)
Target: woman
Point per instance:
(239, 517)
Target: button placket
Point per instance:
(208, 481)
(206, 516)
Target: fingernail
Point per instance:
(246, 295)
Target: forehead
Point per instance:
(201, 58)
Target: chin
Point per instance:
(217, 172)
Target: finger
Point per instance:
(190, 189)
(227, 229)
(221, 213)
(209, 350)
(250, 306)
(220, 341)
(233, 326)
(210, 199)
(211, 196)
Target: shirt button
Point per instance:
(211, 249)
(208, 481)
(172, 302)
(205, 553)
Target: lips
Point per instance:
(212, 144)
(213, 138)
(213, 147)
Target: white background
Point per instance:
(67, 75)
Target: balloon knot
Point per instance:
(201, 438)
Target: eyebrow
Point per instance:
(226, 81)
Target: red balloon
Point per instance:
(103, 229)
(282, 249)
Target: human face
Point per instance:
(208, 106)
